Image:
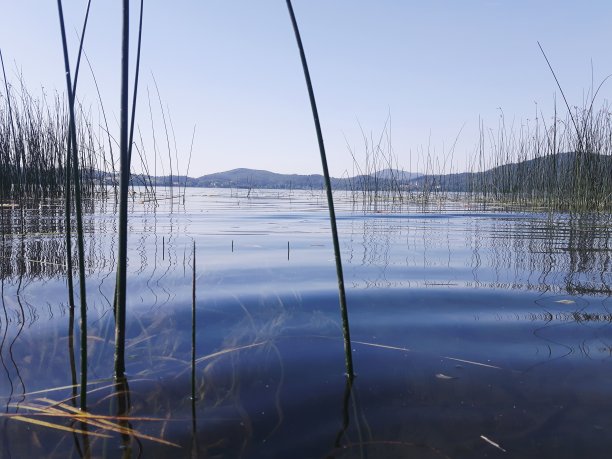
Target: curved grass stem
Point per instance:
(330, 201)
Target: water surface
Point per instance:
(475, 333)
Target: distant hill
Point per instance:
(255, 178)
(396, 174)
(559, 171)
(532, 174)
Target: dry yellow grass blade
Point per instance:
(56, 409)
(55, 389)
(137, 341)
(472, 362)
(86, 414)
(96, 338)
(41, 409)
(220, 353)
(101, 422)
(227, 351)
(89, 384)
(173, 359)
(404, 349)
(57, 426)
(383, 346)
(42, 413)
(107, 425)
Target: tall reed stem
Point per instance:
(72, 146)
(193, 327)
(330, 202)
(124, 182)
(137, 72)
(194, 429)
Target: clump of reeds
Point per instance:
(561, 164)
(565, 165)
(377, 182)
(33, 164)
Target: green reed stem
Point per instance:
(569, 110)
(193, 326)
(348, 389)
(69, 252)
(136, 80)
(67, 197)
(194, 440)
(120, 321)
(124, 182)
(68, 226)
(79, 216)
(124, 405)
(78, 63)
(330, 202)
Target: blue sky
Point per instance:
(232, 70)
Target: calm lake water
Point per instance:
(475, 333)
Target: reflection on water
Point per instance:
(526, 252)
(465, 325)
